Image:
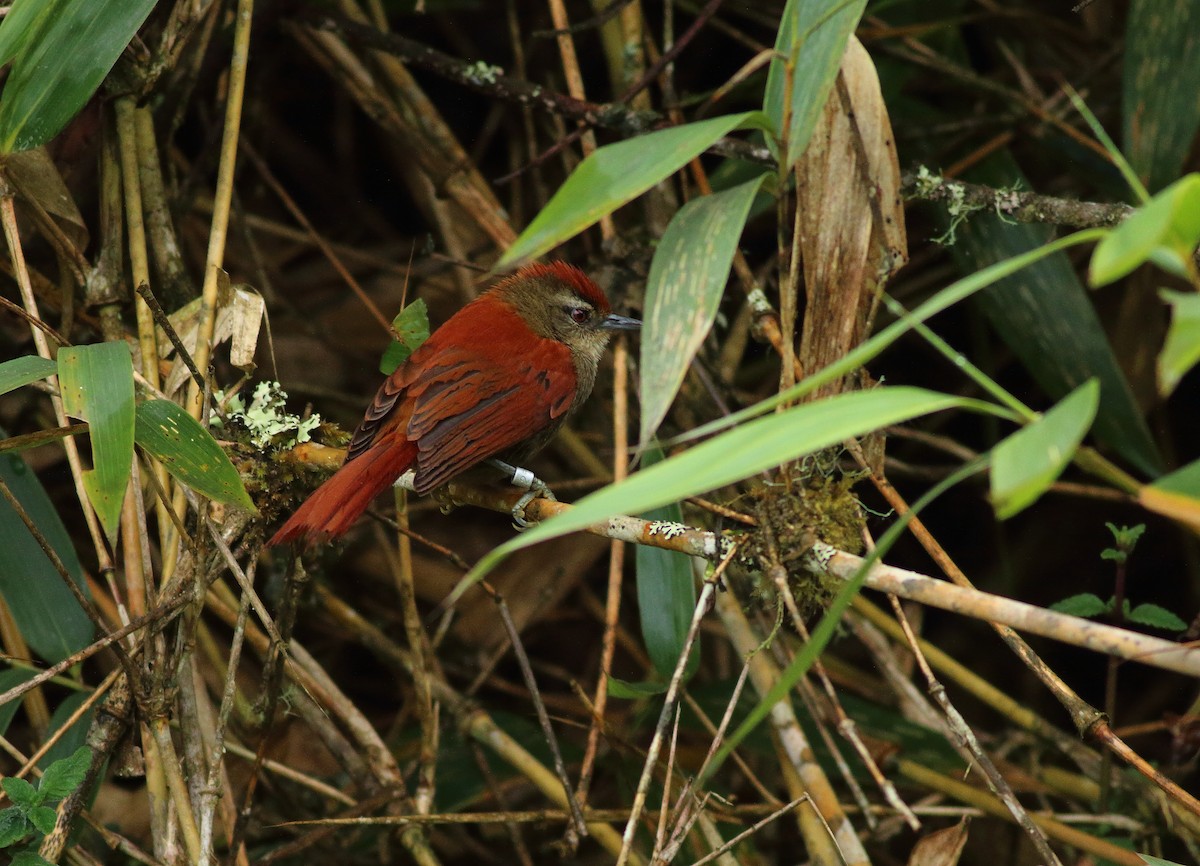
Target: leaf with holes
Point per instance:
(190, 453)
(412, 329)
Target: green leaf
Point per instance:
(1160, 112)
(1181, 351)
(666, 592)
(1085, 604)
(8, 679)
(1045, 315)
(823, 633)
(22, 371)
(1157, 861)
(66, 774)
(616, 174)
(190, 453)
(97, 386)
(14, 826)
(23, 24)
(412, 328)
(762, 444)
(1176, 495)
(751, 448)
(61, 53)
(21, 792)
(633, 691)
(1165, 230)
(812, 39)
(75, 736)
(1185, 480)
(1156, 617)
(684, 289)
(43, 818)
(1030, 460)
(757, 445)
(45, 610)
(1126, 536)
(30, 858)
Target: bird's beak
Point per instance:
(613, 322)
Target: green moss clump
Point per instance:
(792, 514)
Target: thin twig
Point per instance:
(82, 600)
(639, 800)
(161, 319)
(968, 741)
(543, 717)
(750, 831)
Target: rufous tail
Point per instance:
(335, 505)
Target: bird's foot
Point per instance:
(533, 486)
(446, 502)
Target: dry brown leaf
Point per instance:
(850, 212)
(941, 848)
(240, 312)
(36, 177)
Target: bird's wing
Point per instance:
(389, 411)
(475, 401)
(378, 413)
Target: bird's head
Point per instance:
(560, 302)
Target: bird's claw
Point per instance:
(534, 488)
(537, 490)
(445, 501)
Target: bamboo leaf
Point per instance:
(190, 453)
(753, 447)
(686, 282)
(666, 592)
(1176, 495)
(1161, 113)
(1181, 351)
(22, 371)
(45, 611)
(97, 386)
(1044, 314)
(61, 52)
(809, 47)
(1030, 460)
(1165, 230)
(615, 175)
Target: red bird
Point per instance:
(496, 381)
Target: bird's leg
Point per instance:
(445, 501)
(533, 486)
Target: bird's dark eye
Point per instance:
(579, 315)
